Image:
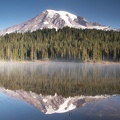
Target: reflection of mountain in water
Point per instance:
(52, 104)
(106, 109)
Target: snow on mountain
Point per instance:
(54, 19)
(52, 104)
(63, 15)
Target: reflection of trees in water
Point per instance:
(63, 78)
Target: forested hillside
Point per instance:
(67, 43)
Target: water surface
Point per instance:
(14, 109)
(64, 78)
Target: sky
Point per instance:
(105, 12)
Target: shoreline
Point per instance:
(50, 61)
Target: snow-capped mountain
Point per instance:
(54, 19)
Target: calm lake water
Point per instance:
(14, 109)
(23, 75)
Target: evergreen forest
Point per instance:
(63, 44)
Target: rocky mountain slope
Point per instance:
(54, 19)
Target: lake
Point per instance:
(66, 79)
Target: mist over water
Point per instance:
(62, 69)
(76, 77)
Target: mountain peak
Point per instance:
(63, 15)
(60, 12)
(50, 11)
(54, 19)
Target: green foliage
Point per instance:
(67, 43)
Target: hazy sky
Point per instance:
(106, 12)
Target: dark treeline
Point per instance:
(67, 43)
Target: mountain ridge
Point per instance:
(54, 19)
